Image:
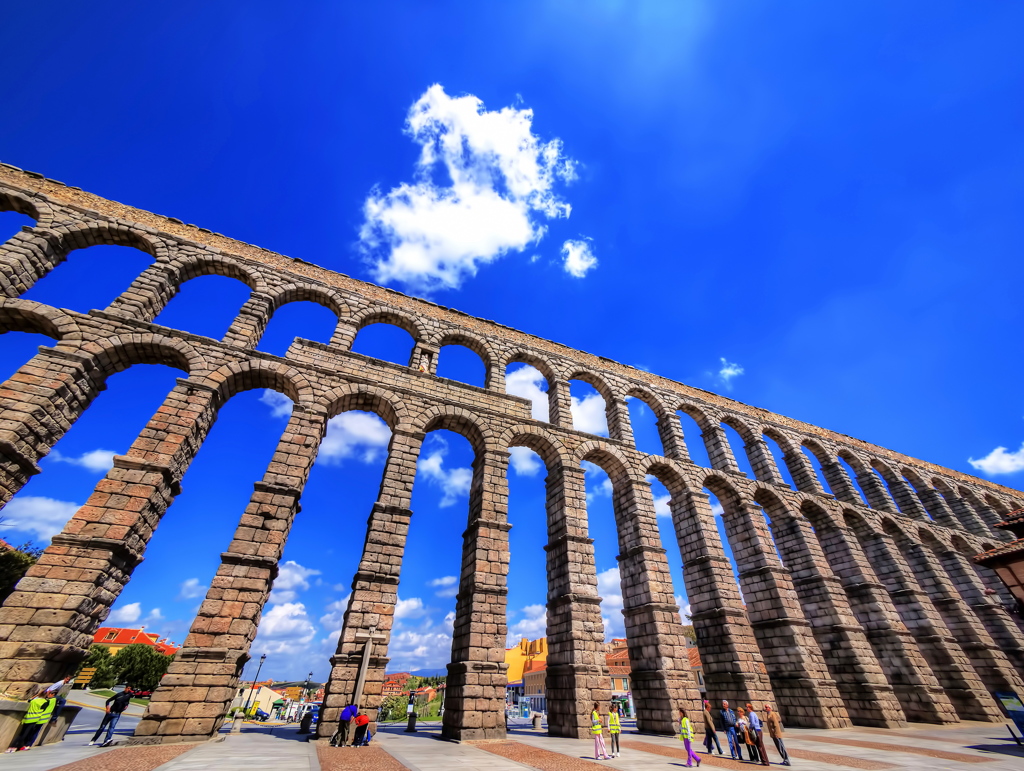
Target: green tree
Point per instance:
(14, 562)
(392, 707)
(99, 657)
(140, 666)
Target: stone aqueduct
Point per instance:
(874, 616)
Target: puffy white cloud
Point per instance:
(447, 586)
(588, 414)
(1000, 461)
(525, 461)
(728, 371)
(280, 405)
(661, 507)
(578, 257)
(98, 461)
(716, 509)
(126, 614)
(609, 588)
(45, 517)
(292, 578)
(285, 629)
(190, 589)
(454, 483)
(532, 626)
(360, 435)
(425, 648)
(684, 609)
(526, 381)
(498, 185)
(411, 608)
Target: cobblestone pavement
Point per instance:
(356, 759)
(539, 758)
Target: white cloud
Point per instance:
(588, 414)
(609, 587)
(292, 578)
(525, 461)
(360, 435)
(190, 589)
(424, 648)
(661, 507)
(45, 517)
(447, 586)
(333, 619)
(98, 461)
(578, 257)
(285, 629)
(280, 405)
(532, 626)
(602, 489)
(126, 614)
(1000, 461)
(728, 371)
(716, 509)
(411, 608)
(498, 183)
(526, 381)
(453, 482)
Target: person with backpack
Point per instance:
(340, 738)
(40, 708)
(115, 706)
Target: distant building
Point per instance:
(522, 654)
(116, 638)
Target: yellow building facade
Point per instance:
(522, 654)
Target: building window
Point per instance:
(110, 636)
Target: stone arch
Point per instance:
(29, 316)
(539, 363)
(66, 238)
(115, 354)
(36, 208)
(292, 293)
(551, 451)
(997, 505)
(234, 378)
(666, 473)
(477, 345)
(740, 426)
(609, 458)
(187, 267)
(649, 398)
(724, 490)
(387, 405)
(459, 421)
(927, 538)
(782, 439)
(377, 314)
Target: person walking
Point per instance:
(340, 738)
(600, 752)
(614, 729)
(40, 708)
(686, 737)
(729, 723)
(115, 706)
(710, 734)
(775, 731)
(757, 733)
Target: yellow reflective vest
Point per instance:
(685, 729)
(613, 723)
(39, 710)
(595, 723)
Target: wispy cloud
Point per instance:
(447, 586)
(45, 517)
(532, 626)
(525, 461)
(526, 381)
(280, 405)
(729, 371)
(454, 483)
(484, 185)
(588, 414)
(97, 461)
(191, 589)
(1000, 461)
(578, 257)
(292, 578)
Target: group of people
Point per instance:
(351, 716)
(597, 730)
(44, 707)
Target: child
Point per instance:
(600, 753)
(686, 736)
(39, 710)
(614, 729)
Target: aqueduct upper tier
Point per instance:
(859, 602)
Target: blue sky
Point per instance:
(814, 208)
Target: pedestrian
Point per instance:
(59, 691)
(115, 706)
(340, 738)
(362, 726)
(710, 734)
(743, 731)
(729, 723)
(757, 733)
(40, 707)
(600, 752)
(686, 737)
(775, 731)
(614, 729)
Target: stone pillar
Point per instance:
(988, 660)
(719, 451)
(560, 404)
(475, 689)
(619, 427)
(802, 472)
(964, 512)
(660, 677)
(863, 686)
(38, 404)
(26, 257)
(371, 607)
(251, 322)
(906, 498)
(803, 687)
(424, 356)
(915, 685)
(733, 669)
(47, 623)
(987, 514)
(875, 490)
(937, 644)
(672, 441)
(938, 509)
(577, 672)
(344, 335)
(148, 295)
(194, 696)
(1004, 631)
(495, 376)
(839, 483)
(762, 462)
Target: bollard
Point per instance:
(536, 721)
(236, 724)
(411, 727)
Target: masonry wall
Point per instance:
(853, 610)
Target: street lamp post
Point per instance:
(263, 658)
(309, 687)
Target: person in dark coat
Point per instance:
(115, 706)
(774, 723)
(710, 734)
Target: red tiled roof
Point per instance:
(694, 655)
(110, 635)
(534, 666)
(1014, 547)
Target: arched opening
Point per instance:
(644, 420)
(457, 362)
(780, 459)
(525, 380)
(693, 435)
(90, 278)
(17, 346)
(854, 479)
(916, 487)
(301, 318)
(739, 450)
(815, 463)
(384, 341)
(589, 408)
(11, 223)
(206, 305)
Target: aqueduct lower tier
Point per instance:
(874, 615)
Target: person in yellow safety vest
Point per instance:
(686, 737)
(39, 710)
(600, 753)
(614, 729)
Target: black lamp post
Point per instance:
(263, 658)
(309, 686)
